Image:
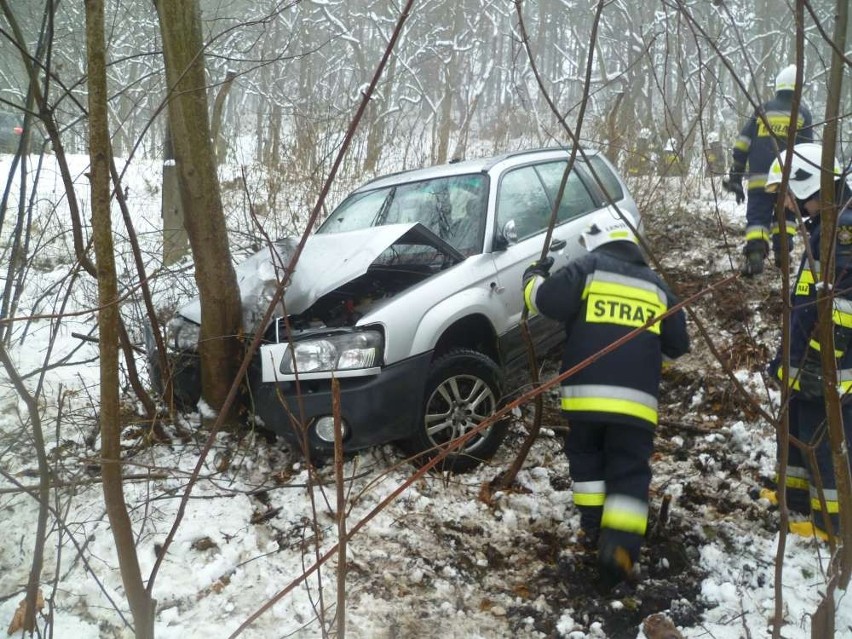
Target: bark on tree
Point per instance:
(175, 240)
(839, 445)
(180, 25)
(450, 76)
(306, 134)
(377, 122)
(219, 139)
(140, 602)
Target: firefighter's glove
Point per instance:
(734, 184)
(539, 267)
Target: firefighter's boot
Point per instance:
(798, 501)
(770, 495)
(618, 553)
(590, 524)
(807, 529)
(754, 254)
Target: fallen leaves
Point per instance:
(658, 626)
(19, 619)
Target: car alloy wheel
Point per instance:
(463, 389)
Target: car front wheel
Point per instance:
(463, 390)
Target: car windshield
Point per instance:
(451, 207)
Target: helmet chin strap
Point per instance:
(802, 210)
(802, 204)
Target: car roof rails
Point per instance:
(488, 162)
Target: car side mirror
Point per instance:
(508, 235)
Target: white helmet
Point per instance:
(805, 171)
(786, 79)
(614, 230)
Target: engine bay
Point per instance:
(347, 304)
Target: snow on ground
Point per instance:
(439, 561)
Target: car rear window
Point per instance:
(527, 194)
(610, 182)
(576, 199)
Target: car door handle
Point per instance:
(557, 245)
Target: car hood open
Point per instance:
(327, 261)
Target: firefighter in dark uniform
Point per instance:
(807, 416)
(611, 405)
(757, 146)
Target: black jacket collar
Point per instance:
(623, 250)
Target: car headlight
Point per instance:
(338, 352)
(182, 335)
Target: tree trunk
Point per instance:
(274, 133)
(175, 240)
(305, 143)
(140, 602)
(219, 140)
(836, 435)
(180, 25)
(376, 128)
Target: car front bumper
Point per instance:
(378, 409)
(186, 374)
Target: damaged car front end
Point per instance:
(327, 326)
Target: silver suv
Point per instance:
(410, 295)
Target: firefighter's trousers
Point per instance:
(611, 473)
(761, 226)
(809, 424)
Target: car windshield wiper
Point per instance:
(382, 213)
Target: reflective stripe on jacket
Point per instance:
(804, 343)
(757, 145)
(602, 297)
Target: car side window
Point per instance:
(607, 177)
(576, 199)
(522, 198)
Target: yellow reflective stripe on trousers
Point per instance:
(795, 471)
(790, 227)
(844, 377)
(814, 344)
(832, 505)
(797, 478)
(842, 314)
(792, 379)
(625, 513)
(589, 493)
(757, 233)
(600, 398)
(797, 483)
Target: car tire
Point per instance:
(463, 388)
